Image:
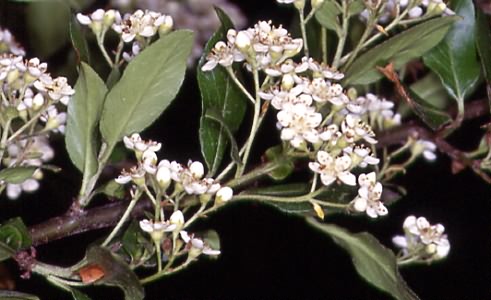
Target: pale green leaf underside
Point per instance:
(147, 87)
(84, 112)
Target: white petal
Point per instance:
(347, 178)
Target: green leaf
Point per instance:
(374, 262)
(328, 14)
(454, 60)
(79, 42)
(116, 272)
(14, 236)
(148, 85)
(214, 115)
(112, 189)
(212, 239)
(221, 94)
(12, 295)
(48, 23)
(400, 49)
(432, 116)
(113, 78)
(135, 243)
(483, 44)
(335, 194)
(17, 174)
(431, 90)
(84, 112)
(285, 165)
(78, 295)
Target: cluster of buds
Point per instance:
(139, 27)
(422, 241)
(160, 176)
(27, 154)
(262, 47)
(385, 12)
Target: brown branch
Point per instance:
(76, 221)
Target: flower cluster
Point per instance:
(32, 91)
(187, 178)
(139, 27)
(198, 16)
(262, 46)
(32, 106)
(412, 9)
(422, 241)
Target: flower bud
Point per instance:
(243, 41)
(317, 3)
(299, 4)
(163, 177)
(223, 195)
(287, 82)
(197, 169)
(177, 218)
(166, 26)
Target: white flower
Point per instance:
(323, 91)
(224, 54)
(355, 129)
(198, 244)
(426, 148)
(57, 89)
(423, 240)
(361, 156)
(135, 142)
(157, 229)
(8, 43)
(331, 168)
(149, 161)
(141, 24)
(298, 122)
(54, 120)
(321, 69)
(135, 174)
(368, 198)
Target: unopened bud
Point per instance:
(243, 41)
(163, 177)
(177, 218)
(197, 169)
(166, 25)
(317, 3)
(299, 4)
(223, 195)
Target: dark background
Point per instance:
(267, 254)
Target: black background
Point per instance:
(267, 254)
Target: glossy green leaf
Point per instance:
(48, 23)
(330, 11)
(14, 236)
(147, 87)
(399, 49)
(454, 60)
(84, 112)
(220, 93)
(285, 165)
(13, 295)
(116, 272)
(78, 295)
(374, 262)
(79, 42)
(483, 43)
(17, 174)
